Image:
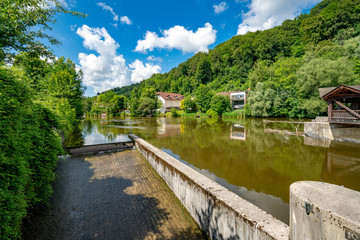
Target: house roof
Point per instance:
(170, 96)
(326, 92)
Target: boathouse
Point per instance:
(343, 103)
(237, 99)
(169, 100)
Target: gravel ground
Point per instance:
(110, 196)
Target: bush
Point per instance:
(174, 112)
(28, 154)
(211, 113)
(220, 104)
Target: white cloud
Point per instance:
(72, 27)
(107, 69)
(220, 8)
(265, 14)
(125, 20)
(108, 8)
(154, 59)
(141, 71)
(180, 38)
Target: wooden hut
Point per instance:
(344, 103)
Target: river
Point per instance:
(246, 156)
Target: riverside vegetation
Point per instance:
(282, 67)
(41, 96)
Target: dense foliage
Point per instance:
(23, 22)
(28, 153)
(283, 66)
(41, 96)
(108, 102)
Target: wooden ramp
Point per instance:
(114, 195)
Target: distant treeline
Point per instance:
(283, 67)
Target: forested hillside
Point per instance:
(283, 67)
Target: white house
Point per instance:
(169, 100)
(237, 99)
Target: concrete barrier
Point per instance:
(333, 131)
(324, 211)
(219, 212)
(96, 148)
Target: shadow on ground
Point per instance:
(85, 208)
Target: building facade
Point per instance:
(237, 99)
(169, 100)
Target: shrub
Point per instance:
(211, 113)
(220, 104)
(174, 112)
(28, 154)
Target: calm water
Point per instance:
(243, 156)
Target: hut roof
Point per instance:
(324, 92)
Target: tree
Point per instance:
(324, 73)
(29, 149)
(203, 71)
(220, 104)
(203, 97)
(23, 23)
(261, 101)
(188, 104)
(119, 102)
(146, 106)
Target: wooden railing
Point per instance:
(342, 114)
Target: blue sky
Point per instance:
(123, 42)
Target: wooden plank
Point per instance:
(347, 109)
(330, 109)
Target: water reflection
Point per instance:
(260, 167)
(238, 132)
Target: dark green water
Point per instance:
(243, 156)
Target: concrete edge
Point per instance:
(239, 207)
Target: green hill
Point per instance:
(283, 66)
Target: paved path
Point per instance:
(111, 196)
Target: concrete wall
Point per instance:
(340, 132)
(219, 212)
(324, 211)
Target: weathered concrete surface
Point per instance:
(218, 211)
(111, 196)
(334, 211)
(317, 142)
(340, 132)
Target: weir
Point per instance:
(100, 148)
(317, 210)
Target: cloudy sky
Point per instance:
(124, 42)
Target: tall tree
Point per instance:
(23, 22)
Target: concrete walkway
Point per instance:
(111, 196)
